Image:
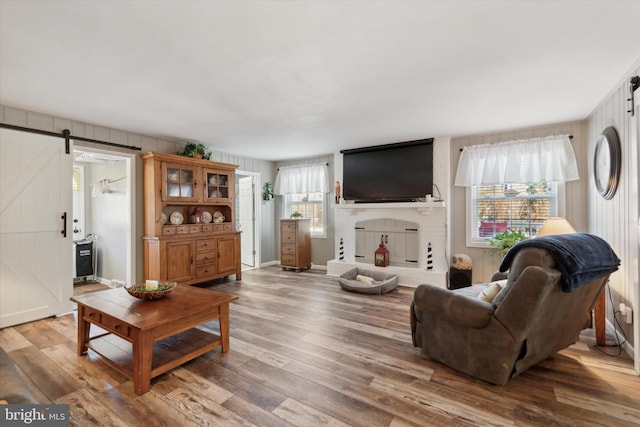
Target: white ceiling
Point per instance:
(283, 79)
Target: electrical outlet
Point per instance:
(628, 315)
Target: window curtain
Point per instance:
(518, 162)
(302, 179)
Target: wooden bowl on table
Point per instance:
(141, 291)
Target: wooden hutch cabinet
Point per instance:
(189, 219)
(295, 244)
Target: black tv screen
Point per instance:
(388, 173)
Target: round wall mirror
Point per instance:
(607, 160)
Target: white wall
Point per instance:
(107, 216)
(615, 220)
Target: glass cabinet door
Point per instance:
(178, 182)
(218, 186)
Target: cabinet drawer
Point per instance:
(92, 315)
(168, 231)
(206, 245)
(205, 271)
(288, 226)
(182, 229)
(114, 325)
(288, 260)
(195, 229)
(207, 228)
(288, 249)
(206, 257)
(227, 227)
(288, 237)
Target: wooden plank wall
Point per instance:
(615, 220)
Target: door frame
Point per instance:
(131, 243)
(256, 212)
(635, 290)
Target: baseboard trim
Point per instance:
(612, 331)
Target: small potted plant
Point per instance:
(197, 151)
(296, 215)
(267, 191)
(502, 242)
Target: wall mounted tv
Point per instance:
(397, 172)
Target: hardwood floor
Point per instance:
(305, 353)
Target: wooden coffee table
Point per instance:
(162, 332)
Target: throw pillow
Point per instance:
(492, 290)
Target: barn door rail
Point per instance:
(66, 135)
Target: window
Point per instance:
(311, 206)
(496, 208)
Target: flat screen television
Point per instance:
(398, 172)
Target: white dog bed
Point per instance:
(381, 284)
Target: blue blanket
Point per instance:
(580, 257)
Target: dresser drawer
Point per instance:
(288, 249)
(206, 257)
(195, 228)
(206, 245)
(168, 231)
(182, 229)
(204, 271)
(207, 228)
(114, 325)
(288, 226)
(288, 260)
(287, 237)
(227, 227)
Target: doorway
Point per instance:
(247, 221)
(103, 217)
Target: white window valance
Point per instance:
(302, 179)
(548, 159)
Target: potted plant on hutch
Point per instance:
(197, 151)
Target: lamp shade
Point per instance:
(556, 225)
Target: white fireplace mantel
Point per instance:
(424, 208)
(430, 218)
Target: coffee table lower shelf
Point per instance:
(168, 353)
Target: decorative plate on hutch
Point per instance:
(176, 218)
(218, 217)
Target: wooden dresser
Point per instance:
(295, 244)
(180, 246)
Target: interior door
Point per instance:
(35, 254)
(246, 219)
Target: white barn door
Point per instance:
(35, 256)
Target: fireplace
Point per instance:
(415, 233)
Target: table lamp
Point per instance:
(556, 225)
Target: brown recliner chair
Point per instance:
(540, 311)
